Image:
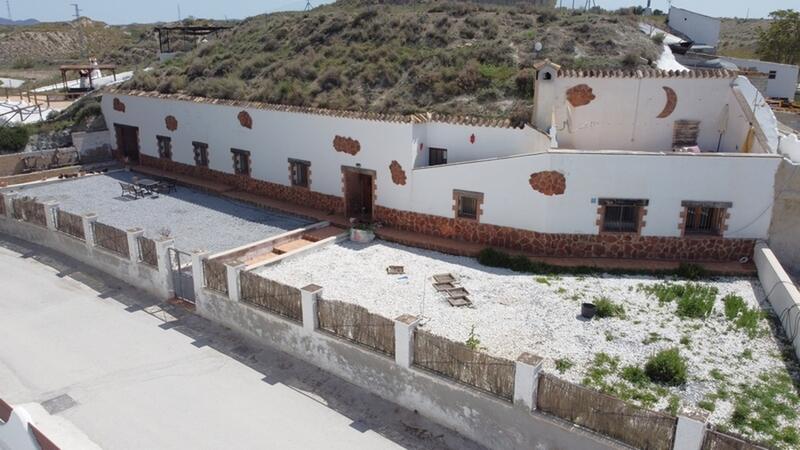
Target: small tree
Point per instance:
(13, 138)
(780, 42)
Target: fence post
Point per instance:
(690, 432)
(8, 199)
(526, 380)
(308, 298)
(133, 243)
(198, 256)
(50, 214)
(88, 232)
(404, 339)
(232, 270)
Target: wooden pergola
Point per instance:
(85, 68)
(164, 45)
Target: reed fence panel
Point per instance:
(28, 210)
(717, 440)
(147, 251)
(273, 296)
(215, 275)
(607, 415)
(111, 238)
(70, 224)
(456, 360)
(357, 324)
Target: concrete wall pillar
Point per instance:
(198, 280)
(308, 297)
(404, 339)
(690, 432)
(133, 243)
(233, 269)
(8, 199)
(88, 220)
(50, 215)
(165, 265)
(526, 380)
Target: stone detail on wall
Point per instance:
(118, 105)
(304, 197)
(580, 95)
(549, 182)
(611, 245)
(672, 102)
(245, 120)
(398, 174)
(346, 145)
(171, 123)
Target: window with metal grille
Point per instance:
(468, 204)
(200, 153)
(437, 156)
(299, 172)
(621, 216)
(773, 74)
(241, 161)
(164, 147)
(705, 218)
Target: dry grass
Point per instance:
(462, 58)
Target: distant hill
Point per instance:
(401, 56)
(51, 43)
(7, 22)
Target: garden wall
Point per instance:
(782, 293)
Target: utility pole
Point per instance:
(8, 9)
(81, 37)
(308, 6)
(179, 12)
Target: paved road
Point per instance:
(133, 373)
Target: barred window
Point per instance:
(705, 218)
(200, 154)
(241, 161)
(299, 172)
(437, 156)
(164, 147)
(621, 215)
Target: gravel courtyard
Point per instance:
(195, 219)
(514, 313)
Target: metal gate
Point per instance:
(182, 280)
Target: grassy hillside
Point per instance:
(739, 37)
(459, 57)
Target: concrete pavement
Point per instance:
(131, 372)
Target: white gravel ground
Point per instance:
(514, 313)
(195, 219)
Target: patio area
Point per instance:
(196, 220)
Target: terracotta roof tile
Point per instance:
(364, 115)
(647, 73)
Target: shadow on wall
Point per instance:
(367, 412)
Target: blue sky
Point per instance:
(117, 12)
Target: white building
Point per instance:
(597, 175)
(699, 28)
(782, 79)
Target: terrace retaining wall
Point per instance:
(155, 281)
(781, 292)
(480, 417)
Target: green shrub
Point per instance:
(13, 138)
(734, 305)
(564, 364)
(607, 308)
(667, 367)
(694, 300)
(635, 375)
(691, 271)
(658, 38)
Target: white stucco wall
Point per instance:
(790, 146)
(700, 28)
(664, 179)
(784, 85)
(624, 113)
(489, 141)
